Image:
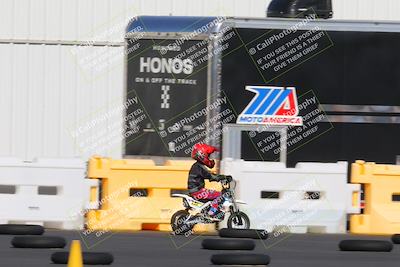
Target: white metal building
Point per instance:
(49, 86)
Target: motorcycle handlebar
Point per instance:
(226, 178)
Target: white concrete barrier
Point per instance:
(50, 192)
(312, 197)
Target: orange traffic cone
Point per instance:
(75, 255)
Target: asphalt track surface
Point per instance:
(160, 249)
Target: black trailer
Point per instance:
(193, 75)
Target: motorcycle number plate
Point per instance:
(196, 204)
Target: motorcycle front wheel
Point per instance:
(238, 220)
(179, 227)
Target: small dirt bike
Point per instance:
(196, 211)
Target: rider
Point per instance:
(198, 172)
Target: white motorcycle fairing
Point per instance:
(194, 204)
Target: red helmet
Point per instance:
(201, 152)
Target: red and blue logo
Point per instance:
(271, 105)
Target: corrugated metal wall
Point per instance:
(49, 88)
(46, 94)
(366, 9)
(82, 20)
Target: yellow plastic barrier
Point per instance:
(136, 194)
(382, 198)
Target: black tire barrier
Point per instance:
(396, 238)
(243, 233)
(21, 229)
(38, 242)
(228, 244)
(366, 245)
(90, 258)
(240, 259)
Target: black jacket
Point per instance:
(198, 172)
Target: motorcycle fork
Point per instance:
(235, 209)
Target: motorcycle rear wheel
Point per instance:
(179, 227)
